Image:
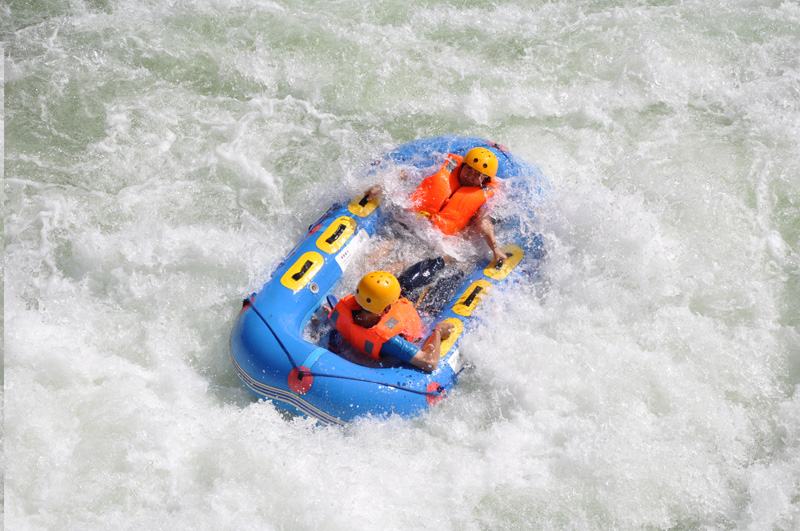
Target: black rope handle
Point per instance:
(364, 200)
(471, 298)
(499, 264)
(335, 236)
(303, 270)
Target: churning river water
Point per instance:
(162, 157)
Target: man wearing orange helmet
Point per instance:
(455, 196)
(378, 322)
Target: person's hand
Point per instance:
(373, 192)
(499, 256)
(444, 329)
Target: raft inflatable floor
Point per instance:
(275, 361)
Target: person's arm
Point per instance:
(486, 228)
(426, 358)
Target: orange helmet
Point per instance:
(377, 291)
(482, 160)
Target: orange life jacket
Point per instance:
(400, 319)
(449, 205)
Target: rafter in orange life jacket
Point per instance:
(401, 318)
(449, 205)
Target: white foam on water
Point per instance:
(162, 158)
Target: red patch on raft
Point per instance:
(300, 380)
(435, 393)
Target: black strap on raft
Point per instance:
(335, 236)
(303, 270)
(472, 295)
(364, 200)
(499, 265)
(301, 374)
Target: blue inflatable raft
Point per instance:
(268, 348)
